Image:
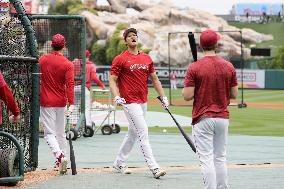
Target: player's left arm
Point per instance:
(96, 79)
(157, 84)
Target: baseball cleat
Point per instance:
(158, 173)
(63, 167)
(61, 163)
(122, 169)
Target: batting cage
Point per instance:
(230, 47)
(73, 28)
(19, 66)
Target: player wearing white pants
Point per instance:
(209, 134)
(56, 92)
(52, 119)
(137, 130)
(211, 81)
(129, 84)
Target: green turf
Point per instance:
(275, 29)
(247, 121)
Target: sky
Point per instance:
(217, 6)
(213, 6)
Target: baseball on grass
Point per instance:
(164, 130)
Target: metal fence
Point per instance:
(18, 64)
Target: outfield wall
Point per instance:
(252, 79)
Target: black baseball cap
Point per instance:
(129, 30)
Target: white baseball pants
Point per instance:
(137, 130)
(53, 121)
(210, 138)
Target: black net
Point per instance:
(17, 71)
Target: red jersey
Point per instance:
(91, 73)
(133, 72)
(212, 77)
(57, 80)
(8, 98)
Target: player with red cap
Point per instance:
(56, 92)
(91, 75)
(129, 84)
(211, 81)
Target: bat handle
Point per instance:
(160, 99)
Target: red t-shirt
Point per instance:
(91, 73)
(57, 80)
(212, 77)
(132, 72)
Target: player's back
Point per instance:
(53, 68)
(213, 81)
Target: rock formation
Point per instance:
(155, 21)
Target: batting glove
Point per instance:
(165, 102)
(119, 101)
(69, 110)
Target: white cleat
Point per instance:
(63, 166)
(122, 169)
(158, 173)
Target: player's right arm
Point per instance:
(69, 81)
(189, 85)
(113, 85)
(234, 85)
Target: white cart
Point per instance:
(103, 112)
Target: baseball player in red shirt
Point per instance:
(91, 75)
(129, 84)
(7, 97)
(211, 82)
(56, 91)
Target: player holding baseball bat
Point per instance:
(129, 84)
(211, 81)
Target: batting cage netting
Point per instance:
(18, 64)
(73, 28)
(230, 47)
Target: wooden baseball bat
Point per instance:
(188, 140)
(192, 45)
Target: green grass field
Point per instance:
(258, 121)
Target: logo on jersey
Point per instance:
(139, 67)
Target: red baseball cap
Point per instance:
(209, 38)
(58, 40)
(88, 53)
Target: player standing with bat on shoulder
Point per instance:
(56, 91)
(211, 81)
(129, 84)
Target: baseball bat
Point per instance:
(188, 140)
(192, 45)
(72, 154)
